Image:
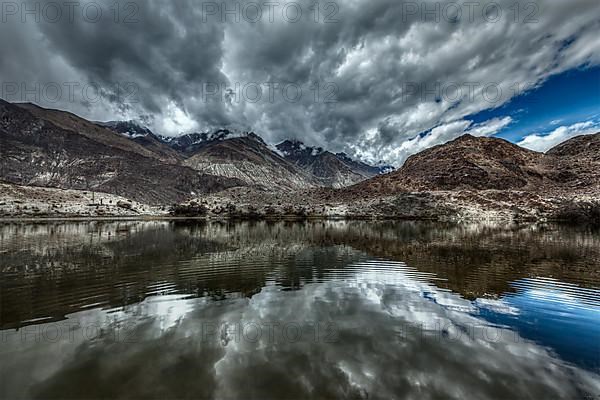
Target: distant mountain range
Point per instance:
(244, 155)
(334, 170)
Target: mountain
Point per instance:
(575, 163)
(93, 131)
(248, 158)
(129, 129)
(373, 170)
(244, 155)
(51, 148)
(226, 153)
(584, 146)
(57, 149)
(471, 162)
(190, 143)
(144, 137)
(483, 163)
(332, 170)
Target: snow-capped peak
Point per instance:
(294, 147)
(218, 135)
(129, 129)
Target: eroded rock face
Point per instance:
(472, 163)
(586, 146)
(250, 160)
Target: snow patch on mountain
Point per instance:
(129, 129)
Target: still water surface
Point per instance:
(298, 310)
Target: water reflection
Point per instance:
(324, 309)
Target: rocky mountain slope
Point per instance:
(249, 159)
(575, 164)
(244, 155)
(482, 163)
(235, 173)
(239, 155)
(145, 138)
(188, 144)
(88, 129)
(50, 148)
(332, 170)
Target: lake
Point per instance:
(299, 310)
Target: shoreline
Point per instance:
(290, 218)
(35, 204)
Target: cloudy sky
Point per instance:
(379, 79)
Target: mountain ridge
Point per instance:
(333, 169)
(44, 152)
(324, 168)
(250, 160)
(486, 163)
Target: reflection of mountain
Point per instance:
(477, 260)
(73, 265)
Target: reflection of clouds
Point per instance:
(562, 316)
(369, 357)
(554, 291)
(388, 343)
(497, 306)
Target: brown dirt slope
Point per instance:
(481, 163)
(37, 152)
(575, 164)
(251, 160)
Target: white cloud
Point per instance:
(440, 134)
(490, 127)
(545, 141)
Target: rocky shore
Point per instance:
(26, 202)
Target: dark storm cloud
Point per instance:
(163, 50)
(373, 75)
